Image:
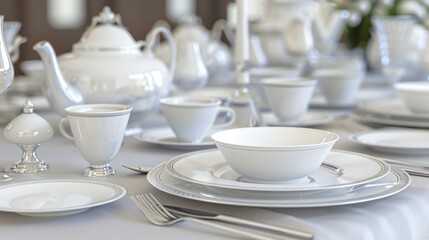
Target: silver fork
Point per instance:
(158, 215)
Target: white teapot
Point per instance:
(108, 66)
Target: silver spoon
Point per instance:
(142, 170)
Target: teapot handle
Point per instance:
(152, 42)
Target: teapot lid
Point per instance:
(106, 33)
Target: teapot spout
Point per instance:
(59, 92)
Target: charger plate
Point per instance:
(394, 182)
(57, 197)
(340, 169)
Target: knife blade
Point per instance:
(299, 234)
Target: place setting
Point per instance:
(260, 168)
(407, 109)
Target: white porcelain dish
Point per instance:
(165, 137)
(342, 169)
(309, 119)
(392, 108)
(389, 112)
(394, 140)
(393, 183)
(265, 154)
(415, 95)
(384, 120)
(48, 198)
(319, 101)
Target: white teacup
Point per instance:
(191, 117)
(98, 131)
(339, 86)
(289, 98)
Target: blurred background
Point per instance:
(62, 22)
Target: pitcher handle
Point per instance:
(63, 131)
(152, 42)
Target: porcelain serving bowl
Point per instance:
(415, 95)
(274, 154)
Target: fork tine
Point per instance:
(151, 210)
(147, 211)
(159, 206)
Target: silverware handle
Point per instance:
(288, 231)
(406, 163)
(416, 172)
(228, 228)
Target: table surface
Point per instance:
(402, 216)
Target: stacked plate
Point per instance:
(343, 178)
(390, 112)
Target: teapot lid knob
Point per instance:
(28, 106)
(106, 16)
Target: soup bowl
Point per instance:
(274, 154)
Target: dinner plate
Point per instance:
(166, 138)
(56, 197)
(307, 120)
(394, 140)
(392, 108)
(340, 169)
(394, 182)
(387, 120)
(321, 102)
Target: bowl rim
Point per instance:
(215, 138)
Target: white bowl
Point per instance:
(415, 95)
(289, 98)
(339, 86)
(274, 154)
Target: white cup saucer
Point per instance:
(309, 119)
(165, 137)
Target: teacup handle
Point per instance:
(230, 122)
(63, 131)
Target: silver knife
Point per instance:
(299, 234)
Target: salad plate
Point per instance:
(340, 169)
(394, 182)
(309, 119)
(48, 198)
(165, 137)
(394, 140)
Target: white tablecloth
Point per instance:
(402, 216)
